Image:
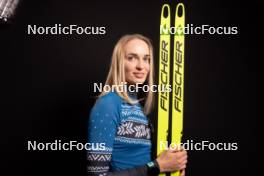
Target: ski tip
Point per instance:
(180, 10)
(165, 11)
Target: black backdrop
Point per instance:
(47, 81)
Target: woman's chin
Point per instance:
(136, 82)
(139, 81)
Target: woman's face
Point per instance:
(137, 59)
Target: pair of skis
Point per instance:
(170, 107)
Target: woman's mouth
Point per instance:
(139, 75)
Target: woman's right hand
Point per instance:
(172, 160)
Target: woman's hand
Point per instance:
(172, 160)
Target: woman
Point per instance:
(118, 122)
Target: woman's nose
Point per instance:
(139, 64)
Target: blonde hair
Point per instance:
(116, 74)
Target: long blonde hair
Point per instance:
(116, 74)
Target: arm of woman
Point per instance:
(101, 133)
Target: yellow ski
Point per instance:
(178, 79)
(164, 80)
